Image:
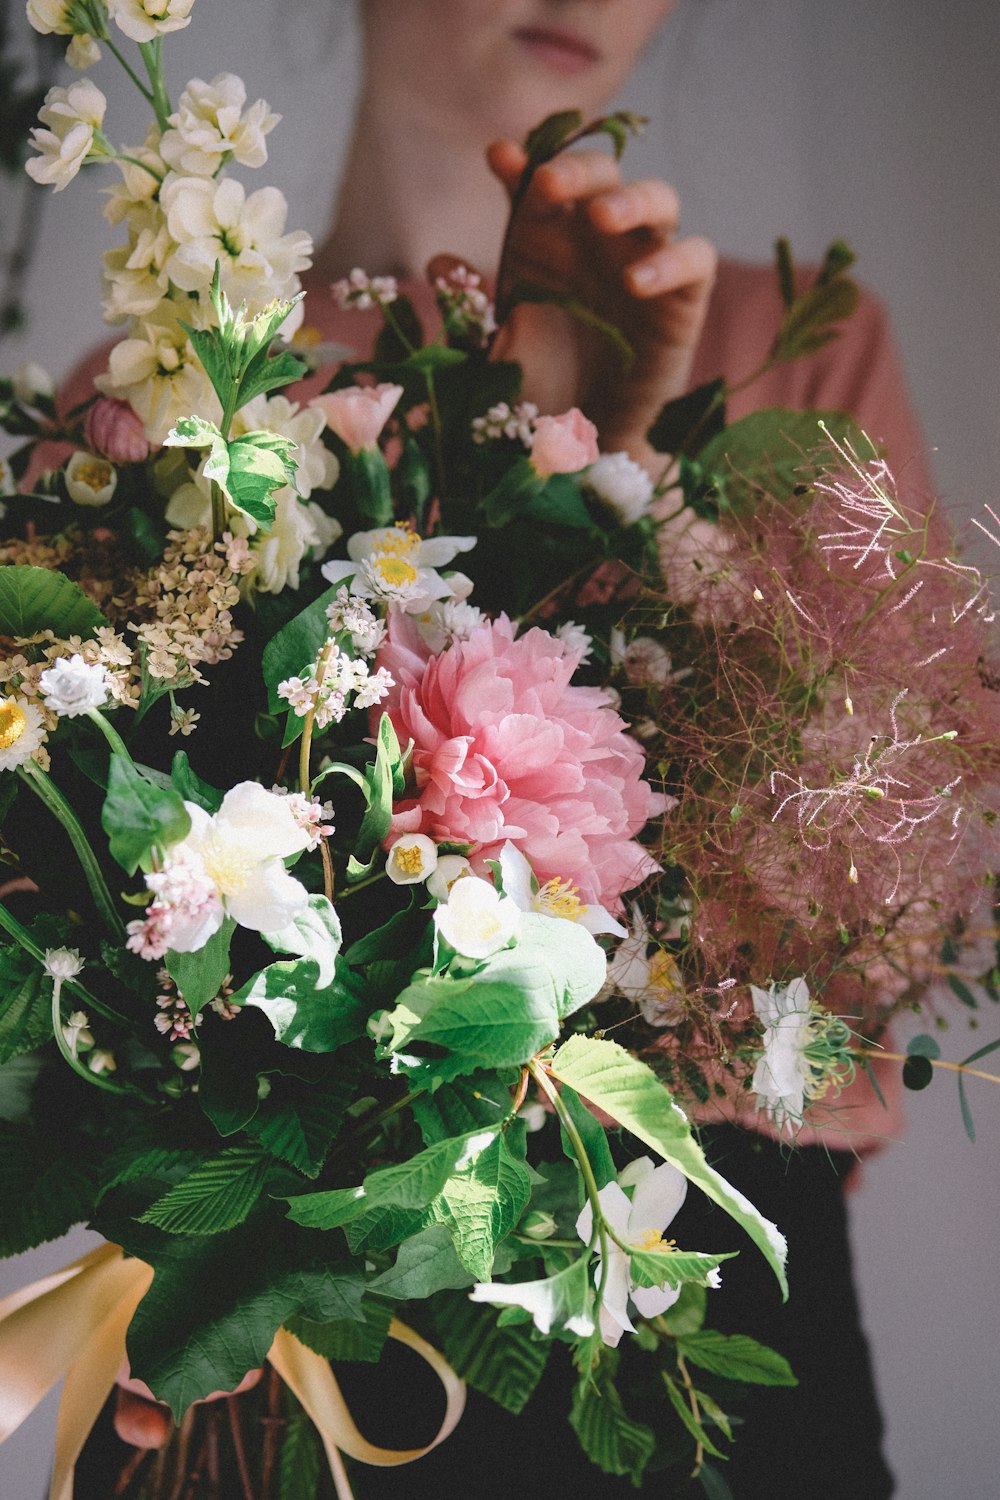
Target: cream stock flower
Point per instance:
(156, 372)
(209, 123)
(73, 117)
(215, 220)
(145, 20)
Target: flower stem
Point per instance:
(692, 1395)
(551, 1093)
(305, 749)
(152, 57)
(935, 1062)
(69, 1053)
(46, 789)
(21, 935)
(110, 733)
(115, 53)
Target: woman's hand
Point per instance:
(582, 231)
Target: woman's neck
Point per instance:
(412, 188)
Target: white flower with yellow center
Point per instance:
(658, 1193)
(396, 565)
(22, 731)
(90, 480)
(653, 981)
(554, 898)
(412, 858)
(476, 921)
(448, 869)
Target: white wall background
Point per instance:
(877, 120)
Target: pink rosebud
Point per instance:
(114, 430)
(358, 413)
(564, 445)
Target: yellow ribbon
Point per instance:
(71, 1326)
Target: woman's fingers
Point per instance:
(689, 262)
(562, 182)
(649, 204)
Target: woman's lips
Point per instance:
(562, 51)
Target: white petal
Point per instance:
(657, 1199)
(270, 899)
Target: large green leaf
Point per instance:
(481, 1203)
(303, 1012)
(608, 1435)
(348, 1338)
(296, 645)
(631, 1093)
(673, 1267)
(315, 934)
(200, 975)
(482, 1025)
(44, 1190)
(425, 1264)
(139, 816)
(736, 1357)
(504, 1363)
(33, 599)
(769, 452)
(301, 1117)
(217, 1195)
(25, 1004)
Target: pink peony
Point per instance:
(505, 748)
(563, 445)
(114, 430)
(358, 413)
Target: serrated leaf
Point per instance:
(611, 1439)
(425, 1264)
(260, 463)
(34, 599)
(269, 374)
(300, 1118)
(481, 1025)
(474, 1103)
(505, 1364)
(481, 1203)
(630, 1092)
(736, 1357)
(315, 934)
(672, 1267)
(139, 816)
(299, 1464)
(25, 1004)
(361, 1339)
(682, 1407)
(44, 1191)
(214, 1197)
(199, 976)
(304, 1013)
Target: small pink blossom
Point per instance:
(358, 413)
(505, 748)
(564, 444)
(114, 430)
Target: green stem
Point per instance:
(46, 789)
(110, 733)
(692, 1395)
(601, 1226)
(144, 91)
(69, 1053)
(305, 749)
(152, 57)
(123, 156)
(21, 935)
(435, 411)
(396, 327)
(359, 885)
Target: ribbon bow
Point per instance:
(71, 1325)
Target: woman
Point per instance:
(447, 83)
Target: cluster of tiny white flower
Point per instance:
(361, 291)
(505, 421)
(466, 309)
(334, 684)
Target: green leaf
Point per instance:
(44, 1191)
(809, 321)
(474, 1103)
(433, 357)
(482, 1026)
(25, 1004)
(382, 780)
(314, 934)
(409, 1186)
(17, 1081)
(785, 267)
(547, 138)
(299, 1464)
(769, 452)
(688, 1313)
(139, 816)
(610, 1438)
(962, 992)
(34, 599)
(923, 1046)
(513, 492)
(630, 1092)
(594, 1137)
(260, 463)
(296, 645)
(303, 1012)
(425, 1264)
(962, 1097)
(736, 1357)
(687, 423)
(713, 1483)
(191, 787)
(481, 1203)
(216, 1196)
(269, 373)
(347, 1338)
(199, 976)
(556, 1303)
(301, 1117)
(682, 1406)
(673, 1267)
(367, 476)
(503, 1363)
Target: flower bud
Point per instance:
(114, 430)
(564, 444)
(538, 1225)
(29, 381)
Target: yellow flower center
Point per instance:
(94, 473)
(227, 865)
(13, 723)
(652, 1239)
(664, 975)
(560, 899)
(410, 861)
(395, 571)
(401, 540)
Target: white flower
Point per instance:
(48, 16)
(361, 291)
(22, 731)
(156, 372)
(576, 639)
(29, 381)
(298, 528)
(135, 277)
(556, 898)
(622, 485)
(657, 1196)
(101, 1061)
(209, 124)
(82, 52)
(72, 686)
(646, 662)
(214, 220)
(145, 20)
(476, 920)
(77, 1032)
(90, 480)
(411, 858)
(653, 983)
(63, 963)
(395, 565)
(783, 1076)
(74, 117)
(449, 868)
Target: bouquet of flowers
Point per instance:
(331, 865)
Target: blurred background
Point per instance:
(877, 122)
